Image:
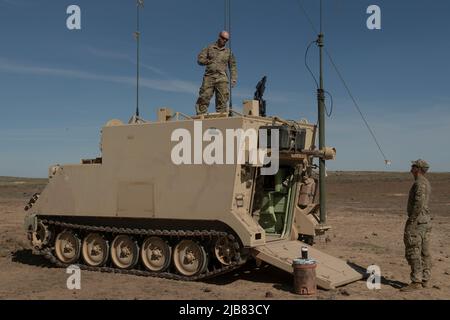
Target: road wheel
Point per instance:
(156, 254)
(67, 247)
(190, 258)
(95, 250)
(124, 252)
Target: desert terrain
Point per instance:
(366, 212)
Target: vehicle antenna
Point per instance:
(321, 115)
(137, 34)
(228, 28)
(347, 88)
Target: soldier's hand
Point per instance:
(233, 83)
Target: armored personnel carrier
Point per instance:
(133, 210)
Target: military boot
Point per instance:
(412, 287)
(426, 284)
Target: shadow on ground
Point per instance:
(250, 272)
(393, 283)
(25, 256)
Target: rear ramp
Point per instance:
(331, 272)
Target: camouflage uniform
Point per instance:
(418, 229)
(217, 60)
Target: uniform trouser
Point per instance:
(417, 250)
(213, 85)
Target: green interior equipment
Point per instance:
(273, 200)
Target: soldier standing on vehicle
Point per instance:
(418, 228)
(218, 59)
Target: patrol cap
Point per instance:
(422, 164)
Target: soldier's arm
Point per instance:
(418, 201)
(203, 57)
(233, 67)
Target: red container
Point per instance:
(304, 277)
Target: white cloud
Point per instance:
(124, 57)
(241, 93)
(168, 85)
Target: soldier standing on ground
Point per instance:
(418, 228)
(218, 59)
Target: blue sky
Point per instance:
(59, 87)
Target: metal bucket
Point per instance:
(305, 276)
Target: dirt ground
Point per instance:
(366, 211)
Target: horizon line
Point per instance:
(331, 171)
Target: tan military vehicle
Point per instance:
(133, 210)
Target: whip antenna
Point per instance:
(137, 35)
(227, 27)
(229, 44)
(321, 116)
(347, 88)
